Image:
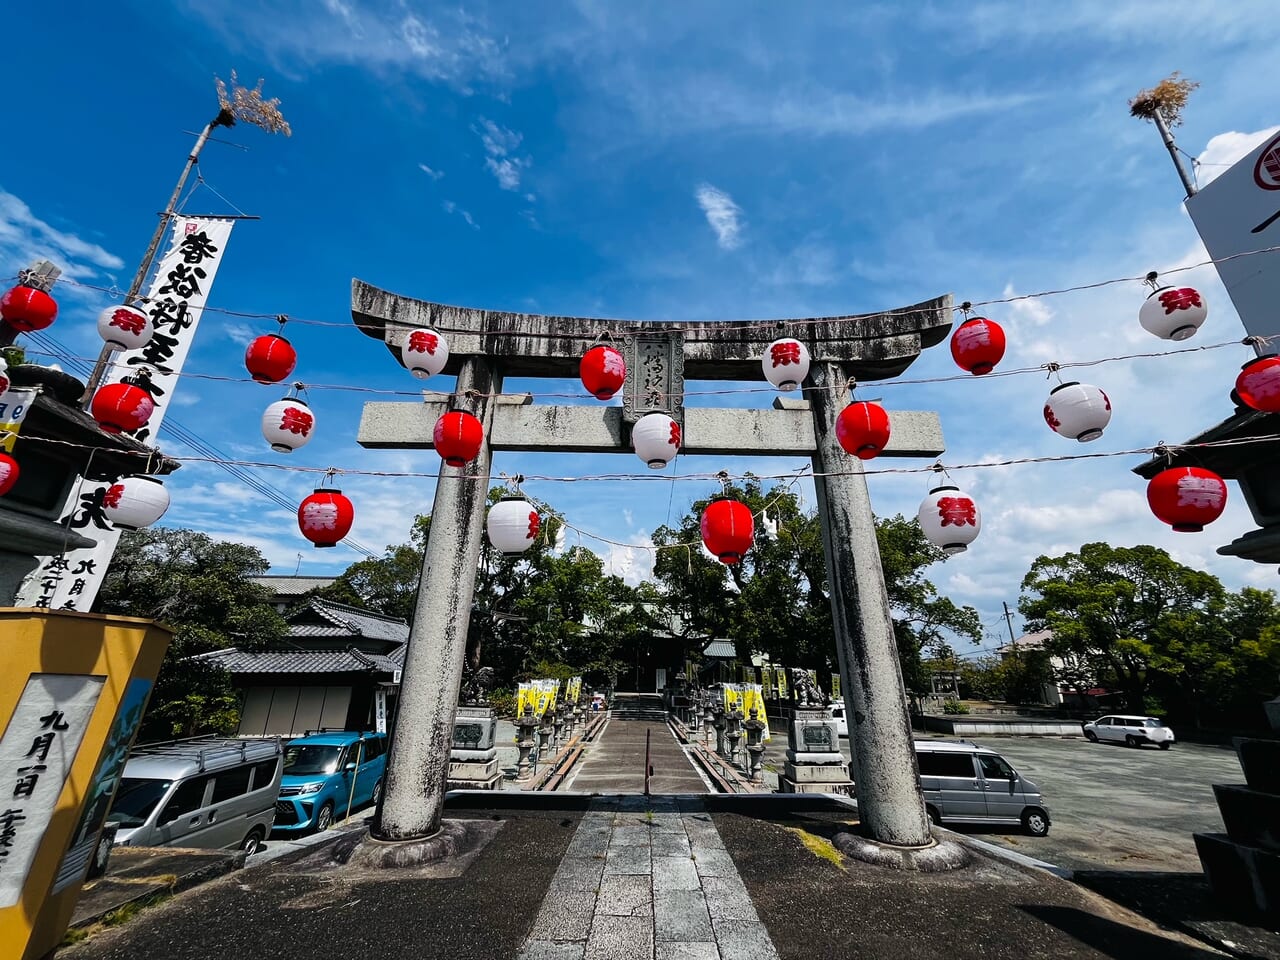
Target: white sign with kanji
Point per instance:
(174, 301)
(1238, 213)
(36, 753)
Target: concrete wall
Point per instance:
(962, 726)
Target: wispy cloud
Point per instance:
(451, 207)
(1225, 149)
(500, 145)
(724, 216)
(430, 172)
(25, 237)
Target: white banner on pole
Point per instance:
(175, 301)
(1237, 213)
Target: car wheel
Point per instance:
(933, 816)
(377, 792)
(324, 819)
(253, 842)
(1130, 740)
(1035, 822)
(1091, 736)
(1166, 745)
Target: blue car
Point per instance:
(325, 772)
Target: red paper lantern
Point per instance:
(121, 407)
(1187, 498)
(8, 473)
(458, 436)
(603, 371)
(728, 529)
(977, 345)
(270, 358)
(325, 517)
(27, 308)
(863, 429)
(1259, 383)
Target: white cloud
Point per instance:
(722, 214)
(432, 173)
(451, 207)
(500, 144)
(25, 237)
(1225, 149)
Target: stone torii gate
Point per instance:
(485, 346)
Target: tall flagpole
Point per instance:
(239, 103)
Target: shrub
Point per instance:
(953, 707)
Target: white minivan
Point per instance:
(1131, 731)
(206, 792)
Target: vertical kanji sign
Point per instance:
(175, 301)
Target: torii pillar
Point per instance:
(485, 346)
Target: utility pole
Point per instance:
(240, 103)
(1008, 619)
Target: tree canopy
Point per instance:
(201, 588)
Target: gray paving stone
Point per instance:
(681, 915)
(713, 863)
(674, 873)
(565, 915)
(625, 896)
(578, 873)
(667, 823)
(548, 950)
(627, 860)
(744, 940)
(670, 844)
(620, 938)
(727, 898)
(703, 950)
(630, 835)
(588, 843)
(702, 834)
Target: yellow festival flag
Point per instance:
(835, 686)
(780, 674)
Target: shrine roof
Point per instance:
(1227, 461)
(239, 661)
(870, 346)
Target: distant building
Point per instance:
(339, 669)
(288, 590)
(1051, 694)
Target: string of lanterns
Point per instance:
(1187, 498)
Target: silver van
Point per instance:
(205, 792)
(966, 783)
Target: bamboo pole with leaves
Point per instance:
(235, 103)
(1163, 105)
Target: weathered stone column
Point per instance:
(418, 765)
(890, 804)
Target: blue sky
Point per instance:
(693, 161)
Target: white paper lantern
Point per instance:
(425, 352)
(4, 375)
(656, 439)
(124, 328)
(288, 424)
(785, 363)
(513, 524)
(1078, 411)
(1173, 313)
(950, 519)
(134, 502)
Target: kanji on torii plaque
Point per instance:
(487, 345)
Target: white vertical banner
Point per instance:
(175, 301)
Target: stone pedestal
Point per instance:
(526, 740)
(1243, 866)
(814, 763)
(473, 757)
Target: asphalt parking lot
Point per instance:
(1115, 807)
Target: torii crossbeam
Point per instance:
(485, 346)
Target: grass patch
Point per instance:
(114, 918)
(820, 847)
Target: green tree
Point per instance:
(201, 588)
(1114, 608)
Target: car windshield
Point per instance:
(304, 759)
(135, 799)
(1152, 723)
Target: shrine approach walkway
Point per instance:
(614, 762)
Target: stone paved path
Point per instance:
(614, 763)
(647, 881)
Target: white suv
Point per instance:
(1131, 731)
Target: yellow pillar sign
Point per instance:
(73, 687)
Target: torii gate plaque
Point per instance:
(486, 345)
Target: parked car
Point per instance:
(205, 792)
(326, 775)
(966, 783)
(836, 712)
(1131, 731)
